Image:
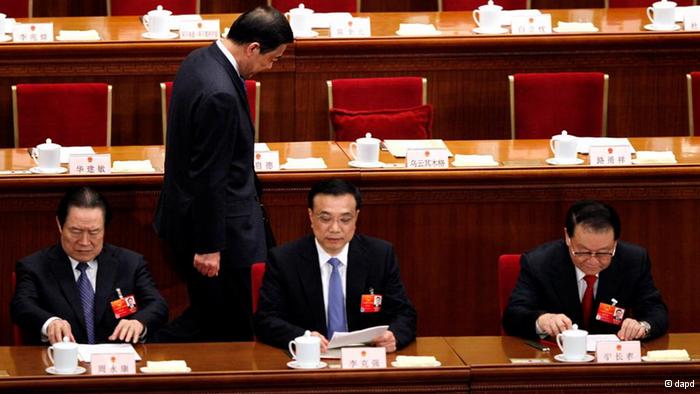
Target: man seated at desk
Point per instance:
(585, 279)
(316, 283)
(77, 288)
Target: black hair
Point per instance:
(595, 215)
(334, 187)
(82, 197)
(264, 25)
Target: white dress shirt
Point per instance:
(327, 269)
(229, 56)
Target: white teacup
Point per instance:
(365, 149)
(2, 24)
(564, 147)
(47, 155)
(488, 16)
(307, 350)
(300, 20)
(573, 343)
(157, 21)
(64, 356)
(662, 14)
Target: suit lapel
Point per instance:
(310, 279)
(106, 283)
(608, 283)
(63, 271)
(356, 276)
(235, 78)
(566, 288)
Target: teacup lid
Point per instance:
(564, 136)
(575, 332)
(48, 145)
(490, 7)
(65, 344)
(664, 4)
(301, 10)
(159, 10)
(307, 338)
(367, 139)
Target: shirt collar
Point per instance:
(323, 257)
(229, 56)
(74, 263)
(580, 274)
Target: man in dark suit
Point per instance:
(304, 279)
(209, 210)
(67, 290)
(557, 278)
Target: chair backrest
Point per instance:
(544, 104)
(17, 339)
(16, 8)
(468, 5)
(69, 113)
(642, 3)
(693, 102)
(377, 94)
(318, 5)
(252, 89)
(508, 271)
(141, 7)
(257, 272)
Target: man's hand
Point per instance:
(324, 341)
(58, 329)
(386, 340)
(207, 264)
(631, 330)
(553, 324)
(127, 331)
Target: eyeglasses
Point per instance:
(598, 255)
(345, 220)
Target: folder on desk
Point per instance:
(398, 148)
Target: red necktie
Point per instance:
(587, 301)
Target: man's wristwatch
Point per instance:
(647, 328)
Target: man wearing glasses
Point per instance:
(334, 280)
(585, 279)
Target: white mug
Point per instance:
(300, 20)
(664, 14)
(64, 356)
(365, 149)
(47, 155)
(157, 21)
(489, 16)
(307, 350)
(573, 343)
(2, 24)
(564, 147)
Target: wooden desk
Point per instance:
(238, 367)
(448, 227)
(467, 73)
(490, 368)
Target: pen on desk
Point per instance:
(538, 346)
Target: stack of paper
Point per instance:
(417, 29)
(575, 27)
(78, 35)
(305, 163)
(172, 366)
(474, 161)
(398, 148)
(133, 166)
(85, 352)
(415, 361)
(655, 157)
(668, 355)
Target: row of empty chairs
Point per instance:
(541, 105)
(23, 8)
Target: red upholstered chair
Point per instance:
(16, 8)
(642, 3)
(693, 102)
(69, 113)
(387, 107)
(252, 89)
(508, 271)
(317, 5)
(17, 339)
(141, 7)
(468, 5)
(257, 272)
(542, 105)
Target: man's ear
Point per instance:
(58, 223)
(251, 48)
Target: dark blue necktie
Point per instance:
(336, 301)
(87, 299)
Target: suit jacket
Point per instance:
(291, 297)
(46, 287)
(547, 284)
(209, 199)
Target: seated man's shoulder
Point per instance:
(547, 251)
(121, 253)
(372, 242)
(41, 256)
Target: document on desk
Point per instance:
(398, 148)
(356, 338)
(593, 339)
(85, 352)
(584, 143)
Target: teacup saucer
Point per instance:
(586, 358)
(168, 36)
(557, 162)
(77, 371)
(654, 27)
(39, 170)
(307, 34)
(362, 164)
(294, 365)
(5, 38)
(500, 30)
